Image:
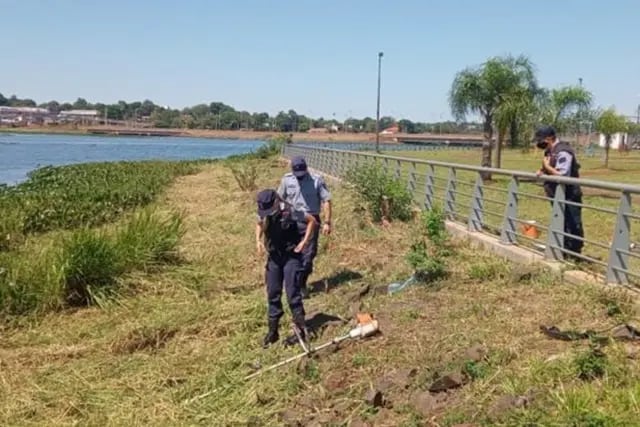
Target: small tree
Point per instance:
(609, 123)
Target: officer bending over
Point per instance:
(278, 224)
(560, 160)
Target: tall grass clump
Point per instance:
(149, 239)
(83, 195)
(377, 189)
(30, 281)
(245, 174)
(91, 265)
(84, 267)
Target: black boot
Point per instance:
(272, 335)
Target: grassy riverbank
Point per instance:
(173, 347)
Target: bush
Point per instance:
(427, 254)
(91, 266)
(591, 364)
(271, 148)
(373, 185)
(149, 239)
(245, 174)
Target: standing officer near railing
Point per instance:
(560, 160)
(307, 192)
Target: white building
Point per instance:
(617, 140)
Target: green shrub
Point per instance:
(373, 185)
(91, 266)
(148, 239)
(271, 148)
(429, 250)
(426, 265)
(590, 364)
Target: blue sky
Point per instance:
(317, 57)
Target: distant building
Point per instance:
(318, 130)
(390, 130)
(617, 140)
(23, 115)
(79, 116)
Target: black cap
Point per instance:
(299, 166)
(266, 199)
(544, 132)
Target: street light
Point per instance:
(378, 108)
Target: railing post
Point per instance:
(386, 166)
(555, 238)
(412, 178)
(428, 188)
(398, 167)
(509, 224)
(450, 195)
(618, 264)
(476, 214)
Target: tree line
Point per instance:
(505, 93)
(218, 115)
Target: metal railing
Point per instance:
(395, 146)
(512, 206)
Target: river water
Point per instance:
(20, 153)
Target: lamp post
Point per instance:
(378, 108)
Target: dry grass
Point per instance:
(175, 350)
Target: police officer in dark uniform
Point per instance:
(560, 159)
(278, 224)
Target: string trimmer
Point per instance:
(367, 326)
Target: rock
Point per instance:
(509, 402)
(477, 353)
(374, 398)
(291, 418)
(633, 352)
(447, 382)
(522, 273)
(334, 382)
(625, 332)
(357, 296)
(425, 403)
(403, 378)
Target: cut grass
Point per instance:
(175, 352)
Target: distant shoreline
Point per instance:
(233, 134)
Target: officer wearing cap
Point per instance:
(307, 192)
(277, 233)
(560, 160)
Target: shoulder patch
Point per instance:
(562, 159)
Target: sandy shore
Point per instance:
(245, 134)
